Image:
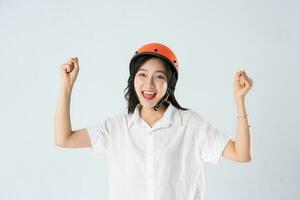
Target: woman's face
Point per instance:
(150, 82)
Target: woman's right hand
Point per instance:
(69, 72)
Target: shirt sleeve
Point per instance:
(213, 142)
(100, 137)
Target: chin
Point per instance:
(148, 104)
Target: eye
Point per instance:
(161, 77)
(141, 74)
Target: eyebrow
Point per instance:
(155, 71)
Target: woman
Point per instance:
(156, 150)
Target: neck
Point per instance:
(151, 114)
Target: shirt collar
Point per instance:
(171, 116)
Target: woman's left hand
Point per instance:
(242, 84)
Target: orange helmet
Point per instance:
(159, 50)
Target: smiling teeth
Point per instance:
(149, 92)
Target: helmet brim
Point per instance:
(135, 57)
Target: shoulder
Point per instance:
(117, 118)
(191, 116)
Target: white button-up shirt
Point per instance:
(164, 162)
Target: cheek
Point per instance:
(138, 81)
(162, 84)
(137, 84)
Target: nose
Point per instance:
(149, 81)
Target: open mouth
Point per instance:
(148, 95)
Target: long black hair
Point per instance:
(169, 97)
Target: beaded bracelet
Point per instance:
(243, 117)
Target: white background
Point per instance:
(212, 40)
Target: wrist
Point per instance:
(240, 107)
(240, 99)
(240, 102)
(66, 87)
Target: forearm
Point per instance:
(242, 142)
(62, 116)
